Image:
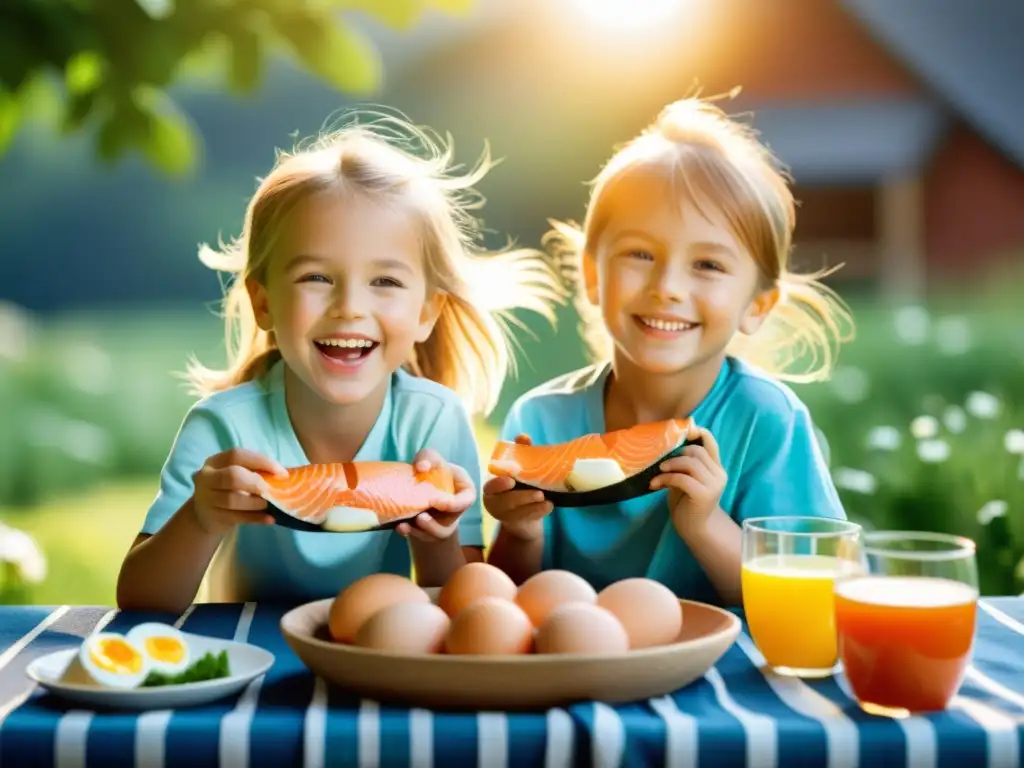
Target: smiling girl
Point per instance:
(689, 306)
(361, 326)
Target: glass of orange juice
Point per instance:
(906, 626)
(790, 565)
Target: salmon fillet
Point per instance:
(548, 466)
(390, 490)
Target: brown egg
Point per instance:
(582, 628)
(490, 625)
(405, 628)
(649, 611)
(363, 598)
(472, 582)
(540, 594)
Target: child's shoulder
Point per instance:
(561, 390)
(248, 396)
(422, 394)
(559, 408)
(752, 388)
(754, 401)
(421, 407)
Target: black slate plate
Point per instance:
(630, 488)
(282, 518)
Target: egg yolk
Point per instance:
(165, 649)
(116, 656)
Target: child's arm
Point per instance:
(716, 548)
(206, 488)
(163, 571)
(519, 554)
(784, 473)
(440, 546)
(695, 481)
(518, 549)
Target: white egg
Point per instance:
(164, 647)
(591, 474)
(110, 660)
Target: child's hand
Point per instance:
(521, 513)
(695, 481)
(445, 520)
(227, 490)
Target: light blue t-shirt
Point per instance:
(279, 564)
(767, 446)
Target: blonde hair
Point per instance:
(717, 162)
(391, 160)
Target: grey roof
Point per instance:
(969, 52)
(851, 142)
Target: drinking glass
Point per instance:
(906, 626)
(789, 569)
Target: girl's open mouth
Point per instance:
(346, 351)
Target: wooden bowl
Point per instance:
(529, 681)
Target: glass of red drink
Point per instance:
(905, 627)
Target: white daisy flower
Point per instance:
(21, 550)
(934, 451)
(954, 419)
(924, 427)
(1014, 441)
(912, 324)
(991, 510)
(983, 405)
(884, 438)
(856, 480)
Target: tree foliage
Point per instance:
(114, 60)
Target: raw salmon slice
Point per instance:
(359, 495)
(549, 466)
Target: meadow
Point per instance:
(923, 424)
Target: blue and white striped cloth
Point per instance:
(735, 716)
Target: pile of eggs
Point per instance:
(115, 660)
(480, 611)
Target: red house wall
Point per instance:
(974, 207)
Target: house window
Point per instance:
(837, 225)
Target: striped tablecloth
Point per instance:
(735, 716)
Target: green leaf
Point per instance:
(84, 72)
(111, 140)
(157, 9)
(398, 14)
(171, 145)
(41, 98)
(454, 7)
(77, 110)
(246, 61)
(336, 53)
(10, 117)
(209, 667)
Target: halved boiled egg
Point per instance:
(591, 474)
(349, 519)
(110, 660)
(163, 645)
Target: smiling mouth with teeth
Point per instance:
(672, 326)
(346, 350)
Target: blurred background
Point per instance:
(133, 130)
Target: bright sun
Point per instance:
(630, 13)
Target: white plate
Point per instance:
(245, 661)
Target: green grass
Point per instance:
(90, 403)
(85, 538)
